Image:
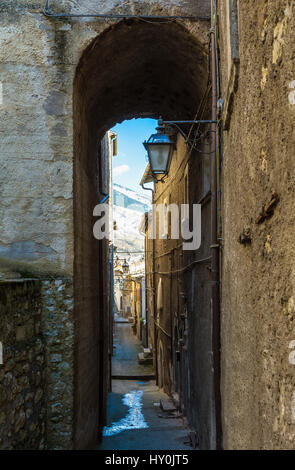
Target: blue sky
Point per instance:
(130, 163)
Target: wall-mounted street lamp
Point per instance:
(125, 267)
(160, 146)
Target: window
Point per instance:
(232, 56)
(186, 186)
(165, 220)
(160, 303)
(103, 166)
(232, 33)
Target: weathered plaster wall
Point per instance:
(258, 280)
(133, 7)
(36, 143)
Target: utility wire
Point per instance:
(185, 268)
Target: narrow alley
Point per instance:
(147, 225)
(135, 418)
(125, 363)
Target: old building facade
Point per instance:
(178, 293)
(66, 80)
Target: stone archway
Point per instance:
(132, 69)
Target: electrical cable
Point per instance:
(185, 268)
(188, 153)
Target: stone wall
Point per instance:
(36, 378)
(58, 330)
(23, 373)
(258, 277)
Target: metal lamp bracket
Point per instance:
(178, 124)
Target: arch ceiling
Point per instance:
(140, 69)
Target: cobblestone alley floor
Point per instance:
(135, 419)
(126, 348)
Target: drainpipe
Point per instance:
(215, 299)
(147, 189)
(111, 318)
(155, 314)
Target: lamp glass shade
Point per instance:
(159, 148)
(125, 266)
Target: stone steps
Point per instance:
(167, 405)
(142, 359)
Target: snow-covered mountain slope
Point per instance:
(127, 197)
(127, 234)
(128, 210)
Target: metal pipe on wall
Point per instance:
(154, 315)
(215, 294)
